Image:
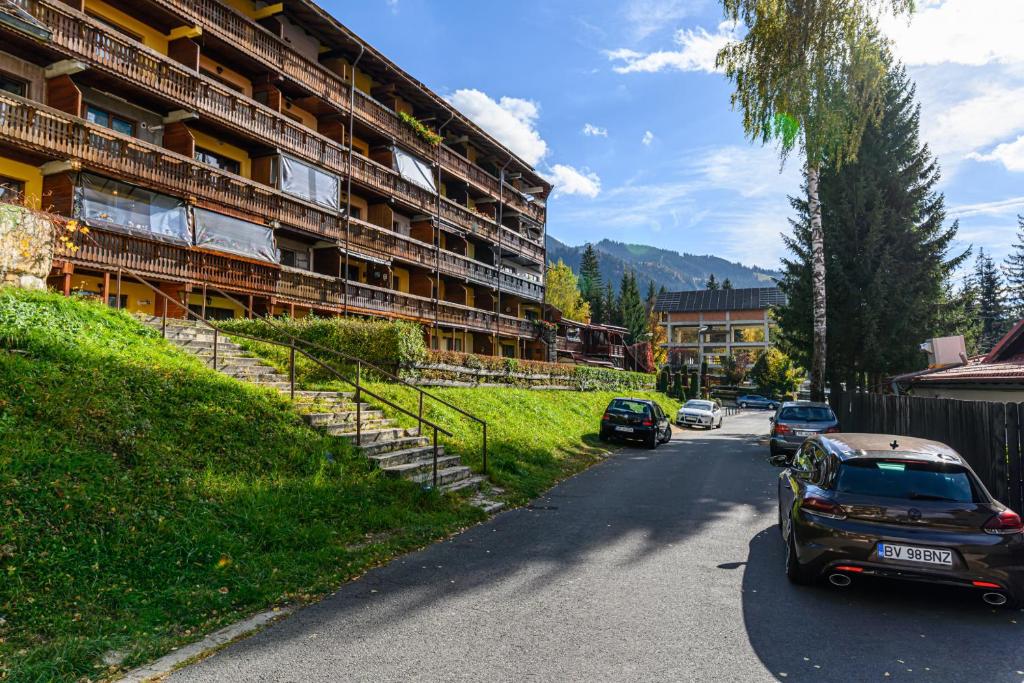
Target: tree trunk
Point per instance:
(817, 285)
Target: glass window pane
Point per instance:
(97, 116)
(684, 335)
(123, 126)
(745, 334)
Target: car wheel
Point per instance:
(795, 571)
(668, 434)
(652, 440)
(772, 450)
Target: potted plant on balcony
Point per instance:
(422, 132)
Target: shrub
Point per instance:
(390, 344)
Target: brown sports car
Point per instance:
(855, 505)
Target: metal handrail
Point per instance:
(360, 362)
(292, 351)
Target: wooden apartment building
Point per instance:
(266, 151)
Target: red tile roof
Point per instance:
(978, 369)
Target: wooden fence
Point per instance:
(989, 435)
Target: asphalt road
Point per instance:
(663, 565)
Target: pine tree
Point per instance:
(634, 313)
(652, 296)
(1013, 266)
(712, 283)
(590, 281)
(611, 307)
(991, 307)
(726, 283)
(889, 262)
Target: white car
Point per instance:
(698, 413)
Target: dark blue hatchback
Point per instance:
(756, 401)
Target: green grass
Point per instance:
(535, 438)
(146, 500)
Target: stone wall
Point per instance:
(26, 247)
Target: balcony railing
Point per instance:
(236, 29)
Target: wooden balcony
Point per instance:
(110, 52)
(107, 251)
(234, 28)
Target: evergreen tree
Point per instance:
(652, 296)
(991, 307)
(888, 267)
(590, 282)
(612, 309)
(726, 283)
(1014, 269)
(634, 313)
(712, 283)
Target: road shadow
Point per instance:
(630, 507)
(872, 630)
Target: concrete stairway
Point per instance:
(396, 451)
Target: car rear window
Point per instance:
(906, 479)
(699, 405)
(629, 406)
(807, 414)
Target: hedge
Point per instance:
(444, 365)
(389, 344)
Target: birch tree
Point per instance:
(808, 75)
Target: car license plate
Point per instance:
(623, 429)
(909, 553)
(805, 433)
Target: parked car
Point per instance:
(794, 421)
(700, 413)
(896, 507)
(756, 401)
(635, 418)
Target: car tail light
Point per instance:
(606, 417)
(782, 430)
(648, 423)
(985, 584)
(1006, 522)
(822, 507)
(832, 430)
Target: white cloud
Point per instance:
(988, 116)
(594, 131)
(568, 180)
(392, 5)
(650, 16)
(749, 171)
(697, 49)
(998, 207)
(647, 139)
(971, 32)
(1010, 154)
(511, 120)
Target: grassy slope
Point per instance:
(535, 438)
(145, 499)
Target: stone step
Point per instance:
(343, 417)
(372, 431)
(244, 371)
(226, 360)
(401, 443)
(445, 477)
(405, 455)
(471, 483)
(311, 396)
(197, 346)
(411, 469)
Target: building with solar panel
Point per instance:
(709, 325)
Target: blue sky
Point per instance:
(619, 104)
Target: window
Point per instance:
(13, 85)
(218, 160)
(117, 27)
(356, 212)
(114, 205)
(107, 120)
(684, 335)
(807, 414)
(907, 479)
(308, 182)
(748, 333)
(457, 344)
(716, 334)
(113, 302)
(11, 190)
(295, 258)
(235, 236)
(624, 405)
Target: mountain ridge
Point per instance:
(666, 268)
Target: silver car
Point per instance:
(700, 413)
(794, 421)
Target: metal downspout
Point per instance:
(437, 230)
(501, 217)
(348, 181)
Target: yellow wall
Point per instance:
(30, 175)
(230, 151)
(470, 297)
(444, 339)
(227, 74)
(401, 278)
(357, 201)
(151, 37)
(216, 302)
(470, 249)
(360, 146)
(307, 119)
(140, 298)
(471, 153)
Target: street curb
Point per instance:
(169, 662)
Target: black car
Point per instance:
(896, 507)
(635, 418)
